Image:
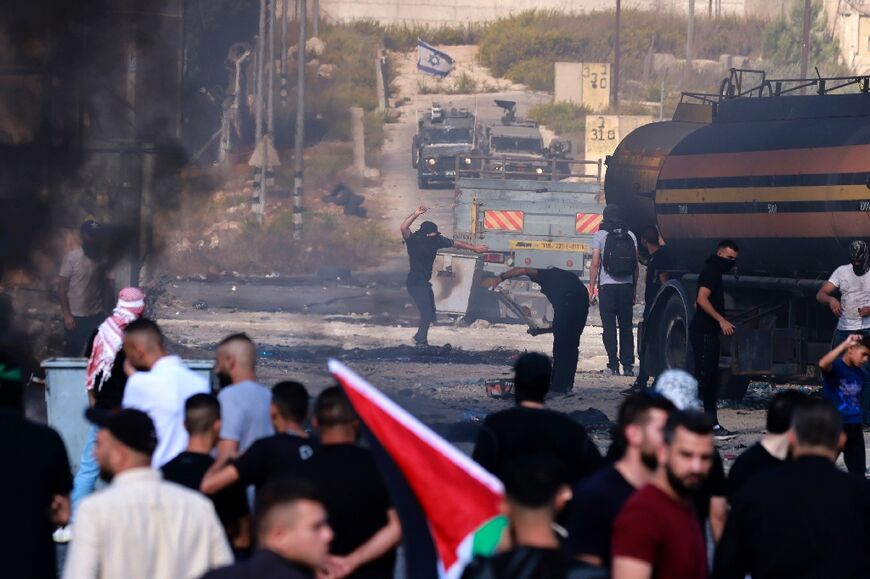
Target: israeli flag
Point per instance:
(432, 61)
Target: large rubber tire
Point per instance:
(669, 348)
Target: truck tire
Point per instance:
(670, 346)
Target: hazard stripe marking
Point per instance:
(503, 220)
(588, 222)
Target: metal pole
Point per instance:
(270, 110)
(300, 126)
(690, 38)
(315, 19)
(283, 53)
(257, 207)
(617, 56)
(805, 40)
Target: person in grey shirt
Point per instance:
(244, 402)
(612, 280)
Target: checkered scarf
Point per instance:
(110, 335)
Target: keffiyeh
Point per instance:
(110, 335)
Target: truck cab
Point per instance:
(444, 136)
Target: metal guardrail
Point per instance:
(526, 168)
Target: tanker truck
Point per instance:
(784, 174)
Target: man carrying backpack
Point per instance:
(614, 257)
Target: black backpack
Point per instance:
(620, 253)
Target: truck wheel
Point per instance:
(672, 342)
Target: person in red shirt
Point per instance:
(657, 534)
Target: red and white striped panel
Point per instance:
(588, 222)
(503, 220)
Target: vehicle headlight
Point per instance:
(467, 160)
(539, 170)
(431, 161)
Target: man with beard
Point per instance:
(657, 533)
(244, 402)
(141, 527)
(708, 325)
(853, 307)
(81, 290)
(422, 245)
(159, 387)
(598, 499)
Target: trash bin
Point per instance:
(66, 399)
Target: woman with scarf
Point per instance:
(105, 381)
(708, 325)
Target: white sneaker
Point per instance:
(62, 534)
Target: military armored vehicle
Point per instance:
(443, 135)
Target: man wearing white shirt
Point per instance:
(852, 281)
(141, 527)
(159, 387)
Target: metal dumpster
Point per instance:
(66, 399)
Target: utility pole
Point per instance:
(690, 38)
(270, 109)
(805, 41)
(300, 125)
(617, 56)
(283, 53)
(257, 205)
(315, 19)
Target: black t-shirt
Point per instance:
(111, 392)
(189, 468)
(263, 564)
(531, 562)
(710, 278)
(421, 255)
(36, 469)
(597, 501)
(521, 431)
(278, 455)
(714, 486)
(657, 262)
(754, 460)
(562, 287)
(356, 500)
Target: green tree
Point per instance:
(782, 41)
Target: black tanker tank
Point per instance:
(786, 177)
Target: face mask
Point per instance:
(723, 264)
(860, 269)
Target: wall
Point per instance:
(469, 11)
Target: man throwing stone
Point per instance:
(422, 245)
(570, 302)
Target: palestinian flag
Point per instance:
(447, 503)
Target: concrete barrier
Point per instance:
(66, 399)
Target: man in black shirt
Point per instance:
(708, 324)
(422, 246)
(281, 454)
(293, 534)
(656, 277)
(772, 449)
(532, 485)
(570, 301)
(531, 429)
(805, 518)
(366, 526)
(35, 487)
(202, 419)
(597, 500)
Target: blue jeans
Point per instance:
(839, 338)
(89, 470)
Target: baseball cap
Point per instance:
(428, 227)
(679, 387)
(132, 427)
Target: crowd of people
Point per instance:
(184, 467)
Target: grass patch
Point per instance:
(404, 36)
